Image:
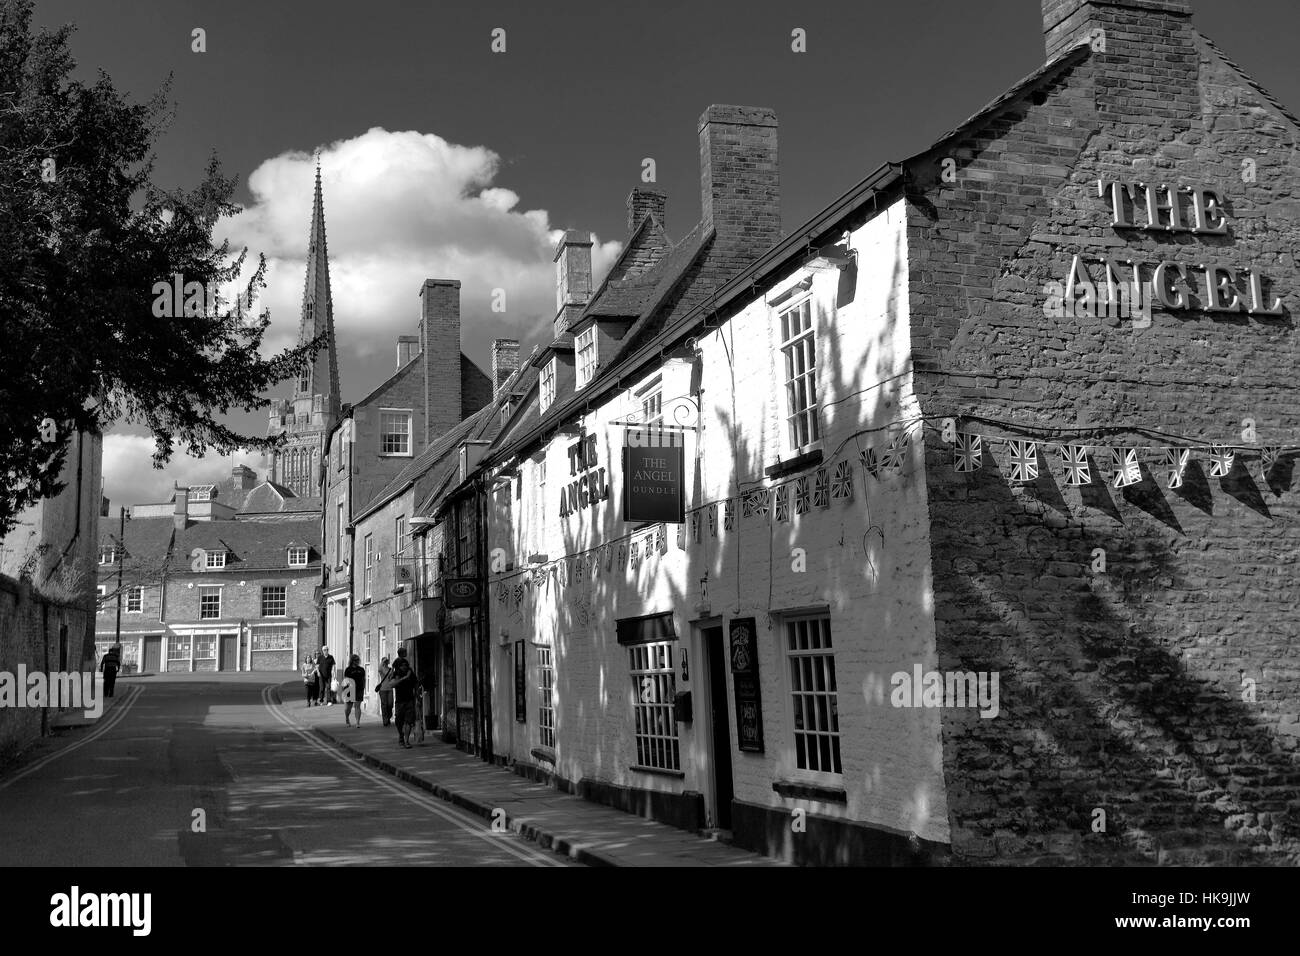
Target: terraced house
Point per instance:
(858, 544)
(222, 578)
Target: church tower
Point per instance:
(313, 411)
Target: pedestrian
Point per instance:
(357, 675)
(109, 665)
(385, 693)
(402, 680)
(325, 667)
(309, 679)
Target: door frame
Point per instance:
(702, 683)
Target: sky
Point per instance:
(443, 159)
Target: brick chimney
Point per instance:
(1150, 62)
(740, 189)
(181, 515)
(408, 347)
(439, 340)
(242, 477)
(642, 202)
(572, 278)
(505, 361)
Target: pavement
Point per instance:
(584, 831)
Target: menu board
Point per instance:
(744, 677)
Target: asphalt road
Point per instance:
(125, 791)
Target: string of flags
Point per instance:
(1116, 465)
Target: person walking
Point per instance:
(325, 668)
(385, 693)
(309, 679)
(402, 681)
(357, 675)
(110, 665)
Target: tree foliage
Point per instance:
(85, 235)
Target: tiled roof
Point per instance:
(146, 544)
(250, 545)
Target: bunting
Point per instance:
(1221, 459)
(1075, 459)
(968, 453)
(712, 512)
(821, 489)
(1024, 460)
(782, 507)
(801, 495)
(895, 456)
(1176, 460)
(1125, 467)
(729, 515)
(842, 483)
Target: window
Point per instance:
(107, 555)
(402, 535)
(369, 578)
(505, 413)
(813, 695)
(178, 648)
(541, 472)
(216, 559)
(798, 346)
(464, 672)
(297, 557)
(365, 645)
(546, 697)
(278, 638)
(394, 432)
(209, 603)
(273, 601)
(651, 397)
(101, 589)
(205, 647)
(586, 350)
(397, 639)
(382, 635)
(464, 536)
(134, 600)
(548, 384)
(339, 549)
(304, 382)
(202, 493)
(653, 688)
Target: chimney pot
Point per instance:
(181, 515)
(572, 278)
(1068, 23)
(740, 188)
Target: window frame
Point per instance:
(464, 666)
(409, 416)
(286, 632)
(546, 383)
(401, 535)
(138, 593)
(342, 534)
(823, 777)
(112, 555)
(586, 359)
(804, 340)
(545, 696)
(208, 557)
(651, 714)
(209, 588)
(284, 599)
(368, 570)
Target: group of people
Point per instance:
(398, 689)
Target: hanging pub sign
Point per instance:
(461, 592)
(521, 684)
(590, 487)
(744, 678)
(654, 475)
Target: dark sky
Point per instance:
(585, 90)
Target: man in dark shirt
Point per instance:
(325, 664)
(403, 684)
(357, 692)
(109, 665)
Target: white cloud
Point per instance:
(401, 207)
(131, 479)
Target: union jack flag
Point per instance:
(821, 489)
(842, 483)
(609, 556)
(969, 452)
(1176, 461)
(519, 595)
(661, 539)
(1024, 460)
(695, 527)
(1221, 458)
(1127, 470)
(893, 459)
(1075, 459)
(871, 463)
(729, 514)
(801, 496)
(713, 520)
(636, 555)
(681, 533)
(782, 503)
(502, 598)
(756, 503)
(1269, 457)
(622, 556)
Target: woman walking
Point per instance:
(357, 693)
(385, 694)
(309, 679)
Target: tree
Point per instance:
(85, 239)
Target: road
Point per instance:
(125, 791)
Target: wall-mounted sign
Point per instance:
(654, 475)
(461, 592)
(590, 489)
(744, 677)
(521, 683)
(1096, 285)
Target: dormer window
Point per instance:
(548, 383)
(215, 560)
(651, 398)
(297, 557)
(202, 493)
(586, 351)
(107, 555)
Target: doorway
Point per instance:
(229, 652)
(720, 725)
(152, 653)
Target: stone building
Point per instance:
(983, 540)
(223, 577)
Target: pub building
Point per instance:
(847, 545)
